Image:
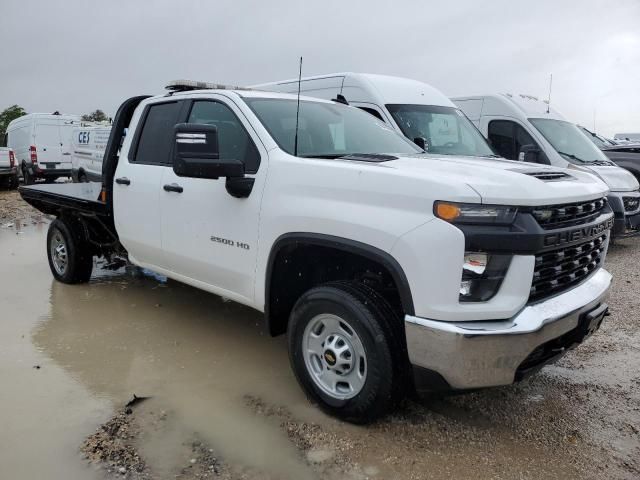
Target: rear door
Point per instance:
(66, 147)
(208, 235)
(48, 143)
(137, 185)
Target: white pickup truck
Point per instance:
(8, 169)
(389, 269)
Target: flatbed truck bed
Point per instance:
(55, 197)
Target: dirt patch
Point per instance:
(15, 213)
(115, 448)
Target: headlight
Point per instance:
(474, 213)
(482, 275)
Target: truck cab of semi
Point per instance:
(387, 268)
(521, 127)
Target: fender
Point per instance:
(347, 245)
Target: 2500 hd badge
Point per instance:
(230, 243)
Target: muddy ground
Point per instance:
(224, 404)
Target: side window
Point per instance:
(373, 112)
(508, 138)
(156, 138)
(233, 140)
(501, 136)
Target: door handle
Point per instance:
(173, 187)
(123, 181)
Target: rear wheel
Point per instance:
(13, 182)
(82, 177)
(70, 258)
(28, 178)
(341, 352)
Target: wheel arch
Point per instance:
(276, 318)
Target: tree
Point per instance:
(97, 116)
(9, 114)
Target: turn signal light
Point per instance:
(447, 211)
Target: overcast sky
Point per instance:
(76, 56)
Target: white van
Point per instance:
(88, 144)
(417, 110)
(42, 144)
(521, 127)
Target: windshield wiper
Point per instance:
(572, 156)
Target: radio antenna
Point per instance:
(549, 99)
(295, 141)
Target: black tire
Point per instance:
(82, 177)
(13, 182)
(27, 177)
(79, 259)
(365, 314)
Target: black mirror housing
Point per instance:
(421, 142)
(196, 153)
(529, 153)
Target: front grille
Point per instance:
(631, 204)
(561, 269)
(549, 176)
(568, 215)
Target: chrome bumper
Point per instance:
(488, 353)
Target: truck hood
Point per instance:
(505, 182)
(617, 179)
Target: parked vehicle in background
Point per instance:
(627, 137)
(415, 109)
(88, 144)
(521, 127)
(599, 141)
(8, 170)
(387, 268)
(626, 155)
(41, 143)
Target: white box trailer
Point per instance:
(88, 145)
(41, 143)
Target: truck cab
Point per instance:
(388, 269)
(521, 127)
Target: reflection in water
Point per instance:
(193, 352)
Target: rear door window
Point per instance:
(155, 142)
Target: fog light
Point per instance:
(482, 275)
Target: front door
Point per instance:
(209, 236)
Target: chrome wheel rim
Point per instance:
(334, 356)
(58, 250)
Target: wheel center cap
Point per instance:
(330, 357)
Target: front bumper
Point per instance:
(626, 222)
(490, 353)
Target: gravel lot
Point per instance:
(225, 405)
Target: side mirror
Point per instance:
(529, 153)
(421, 142)
(196, 153)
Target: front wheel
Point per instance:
(70, 258)
(341, 352)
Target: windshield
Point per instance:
(567, 139)
(327, 130)
(446, 130)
